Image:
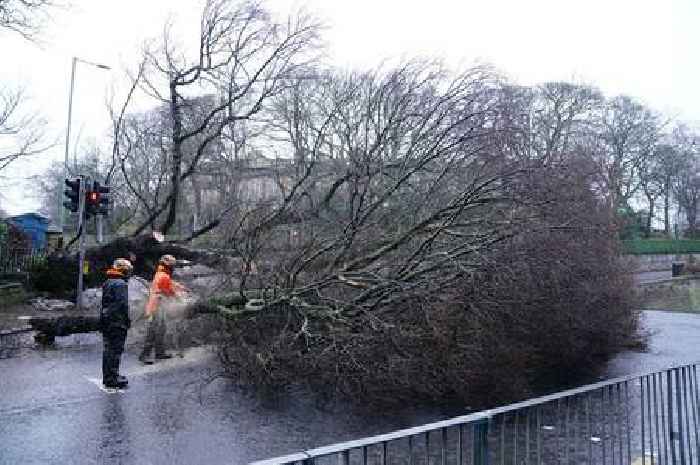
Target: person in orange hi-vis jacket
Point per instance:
(163, 290)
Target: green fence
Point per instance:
(660, 246)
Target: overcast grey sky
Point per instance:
(644, 48)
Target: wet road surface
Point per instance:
(675, 340)
(52, 409)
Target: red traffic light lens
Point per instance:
(93, 197)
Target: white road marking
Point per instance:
(31, 408)
(192, 356)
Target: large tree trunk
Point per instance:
(650, 216)
(177, 160)
(48, 328)
(667, 208)
(691, 215)
(197, 214)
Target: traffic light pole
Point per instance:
(99, 228)
(82, 228)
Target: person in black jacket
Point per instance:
(114, 321)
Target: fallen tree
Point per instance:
(434, 258)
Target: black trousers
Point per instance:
(113, 340)
(155, 336)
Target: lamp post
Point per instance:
(75, 60)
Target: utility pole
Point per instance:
(82, 230)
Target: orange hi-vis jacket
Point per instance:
(162, 286)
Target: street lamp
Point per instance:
(70, 112)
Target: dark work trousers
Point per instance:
(155, 335)
(113, 339)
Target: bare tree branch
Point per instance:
(25, 17)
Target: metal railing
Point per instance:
(641, 419)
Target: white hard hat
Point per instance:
(123, 265)
(168, 260)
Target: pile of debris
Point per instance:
(42, 304)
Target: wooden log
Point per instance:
(48, 328)
(64, 325)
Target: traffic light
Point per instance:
(97, 200)
(103, 198)
(92, 201)
(73, 195)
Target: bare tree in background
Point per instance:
(25, 17)
(658, 174)
(669, 155)
(22, 134)
(687, 184)
(628, 132)
(652, 181)
(564, 113)
(50, 186)
(143, 161)
(551, 119)
(243, 57)
(670, 167)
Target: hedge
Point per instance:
(660, 246)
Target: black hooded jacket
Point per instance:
(115, 302)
